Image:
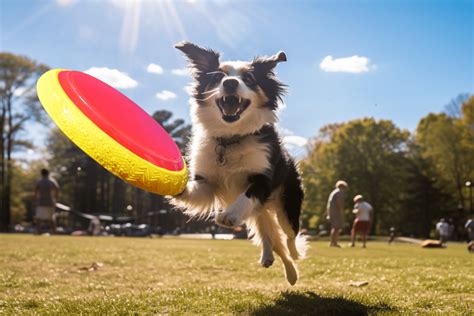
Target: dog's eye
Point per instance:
(216, 78)
(248, 78)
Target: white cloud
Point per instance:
(113, 77)
(296, 145)
(294, 140)
(18, 92)
(181, 72)
(166, 95)
(352, 64)
(66, 3)
(154, 69)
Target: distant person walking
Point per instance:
(469, 226)
(335, 211)
(442, 227)
(46, 195)
(392, 235)
(363, 220)
(94, 228)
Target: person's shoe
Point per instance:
(335, 246)
(351, 245)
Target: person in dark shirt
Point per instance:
(46, 195)
(335, 212)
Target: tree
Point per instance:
(19, 104)
(179, 131)
(446, 142)
(369, 154)
(424, 202)
(454, 107)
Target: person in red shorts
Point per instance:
(364, 214)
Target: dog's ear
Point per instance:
(267, 64)
(202, 59)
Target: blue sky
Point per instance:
(396, 60)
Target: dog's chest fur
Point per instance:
(228, 174)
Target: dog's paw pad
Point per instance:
(267, 263)
(267, 260)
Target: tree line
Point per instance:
(411, 179)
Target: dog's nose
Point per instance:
(230, 85)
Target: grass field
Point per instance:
(179, 276)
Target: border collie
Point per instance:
(239, 171)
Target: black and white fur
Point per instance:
(240, 172)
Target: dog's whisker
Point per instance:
(210, 91)
(215, 72)
(208, 97)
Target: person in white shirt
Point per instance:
(442, 227)
(363, 220)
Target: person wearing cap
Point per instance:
(363, 220)
(335, 211)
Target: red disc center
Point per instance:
(122, 119)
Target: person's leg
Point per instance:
(331, 242)
(51, 221)
(334, 237)
(52, 226)
(364, 238)
(38, 226)
(353, 238)
(353, 234)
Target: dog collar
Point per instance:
(224, 142)
(227, 141)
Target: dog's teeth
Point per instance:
(240, 100)
(223, 98)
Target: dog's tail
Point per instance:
(298, 247)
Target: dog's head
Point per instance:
(233, 97)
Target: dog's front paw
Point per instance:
(227, 219)
(236, 213)
(267, 260)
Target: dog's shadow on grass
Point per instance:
(309, 303)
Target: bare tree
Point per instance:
(18, 105)
(454, 107)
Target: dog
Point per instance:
(240, 173)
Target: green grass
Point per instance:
(40, 275)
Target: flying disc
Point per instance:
(113, 130)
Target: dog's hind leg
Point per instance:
(288, 213)
(266, 232)
(297, 244)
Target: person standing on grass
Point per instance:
(335, 212)
(364, 215)
(46, 195)
(442, 227)
(392, 235)
(469, 226)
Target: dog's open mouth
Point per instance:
(232, 107)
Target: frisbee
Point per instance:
(113, 130)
